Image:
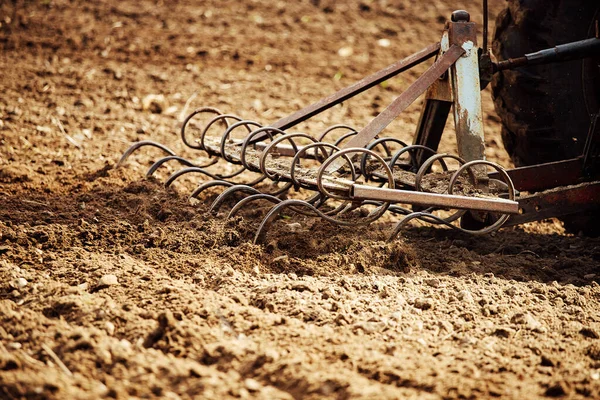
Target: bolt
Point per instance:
(460, 16)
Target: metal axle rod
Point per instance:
(451, 201)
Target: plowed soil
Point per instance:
(113, 286)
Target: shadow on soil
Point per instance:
(141, 216)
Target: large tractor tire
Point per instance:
(546, 109)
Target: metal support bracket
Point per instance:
(468, 114)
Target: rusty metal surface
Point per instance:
(511, 63)
(545, 176)
(407, 97)
(557, 202)
(468, 114)
(284, 149)
(441, 89)
(280, 167)
(499, 205)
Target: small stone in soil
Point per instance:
(423, 304)
(110, 328)
(155, 103)
(504, 332)
(465, 296)
(294, 227)
(301, 287)
(529, 321)
(433, 282)
(252, 385)
(108, 280)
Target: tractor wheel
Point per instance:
(545, 109)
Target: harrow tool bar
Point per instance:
(358, 178)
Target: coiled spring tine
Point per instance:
(371, 146)
(339, 141)
(185, 171)
(267, 150)
(424, 216)
(410, 150)
(263, 196)
(296, 160)
(208, 185)
(425, 167)
(224, 118)
(244, 202)
(227, 133)
(141, 144)
(429, 163)
(265, 224)
(189, 118)
(321, 137)
(216, 205)
(268, 130)
(163, 160)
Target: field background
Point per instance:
(112, 286)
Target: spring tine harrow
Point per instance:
(354, 177)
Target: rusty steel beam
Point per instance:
(499, 205)
(557, 203)
(380, 122)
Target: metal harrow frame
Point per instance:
(359, 169)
